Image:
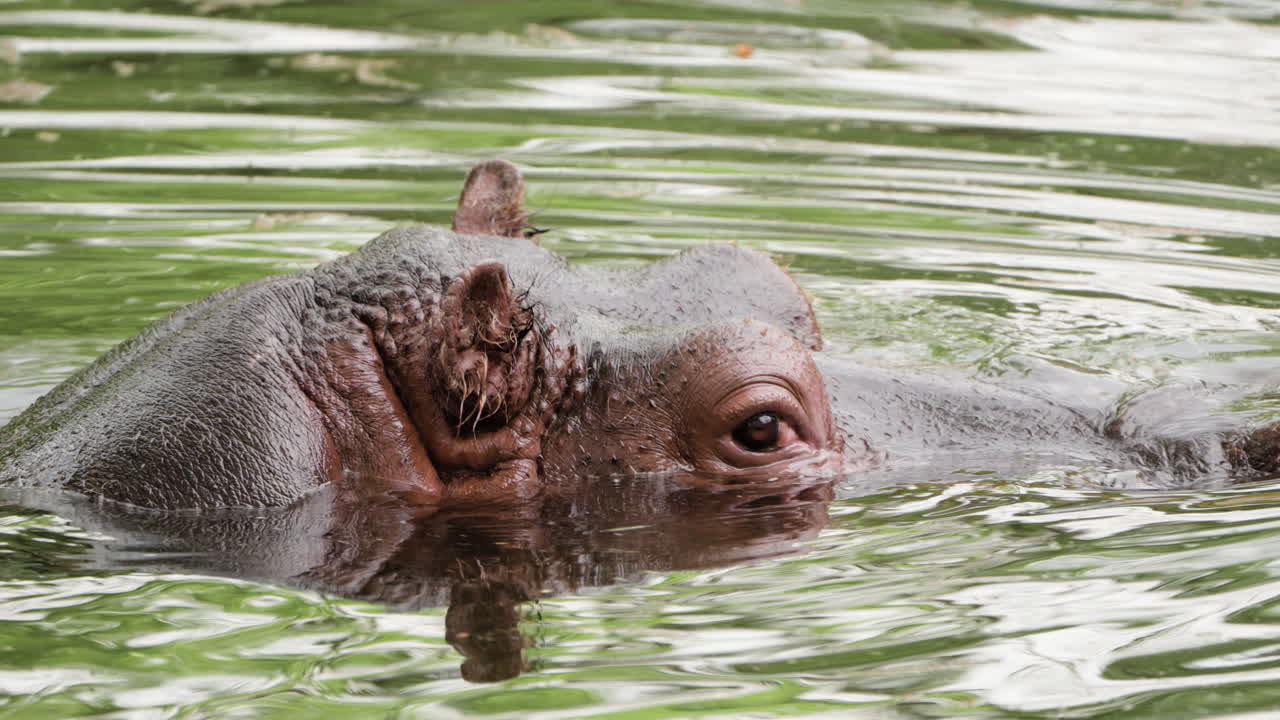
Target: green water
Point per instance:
(1094, 184)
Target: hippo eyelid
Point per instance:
(788, 405)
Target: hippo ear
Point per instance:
(484, 364)
(492, 201)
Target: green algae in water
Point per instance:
(1090, 184)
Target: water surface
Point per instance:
(982, 189)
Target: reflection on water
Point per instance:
(1018, 191)
(482, 565)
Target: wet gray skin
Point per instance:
(475, 367)
(917, 428)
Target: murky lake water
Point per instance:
(1094, 184)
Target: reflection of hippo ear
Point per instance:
(485, 362)
(492, 201)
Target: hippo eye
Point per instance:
(759, 433)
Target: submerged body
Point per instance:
(472, 366)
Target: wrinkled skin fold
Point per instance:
(467, 367)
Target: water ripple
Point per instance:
(1046, 191)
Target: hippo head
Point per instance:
(521, 373)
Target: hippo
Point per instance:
(444, 367)
(472, 366)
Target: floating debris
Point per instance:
(9, 51)
(208, 7)
(366, 71)
(550, 34)
(267, 221)
(24, 91)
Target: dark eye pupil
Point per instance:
(759, 432)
